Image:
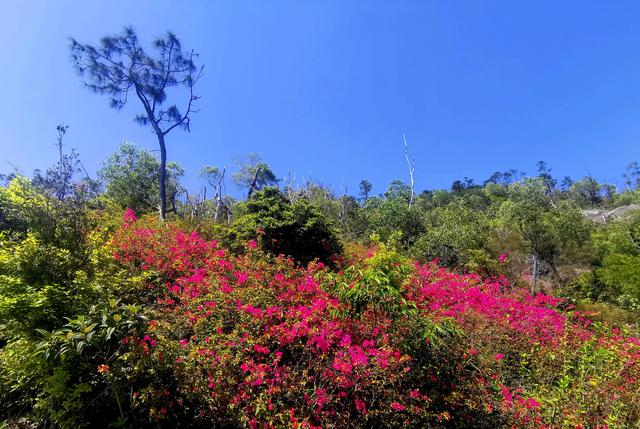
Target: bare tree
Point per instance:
(119, 66)
(196, 203)
(215, 179)
(68, 165)
(59, 179)
(411, 162)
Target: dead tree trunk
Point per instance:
(535, 269)
(412, 168)
(218, 195)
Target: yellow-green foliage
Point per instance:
(376, 283)
(570, 378)
(23, 208)
(33, 284)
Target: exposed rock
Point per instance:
(604, 216)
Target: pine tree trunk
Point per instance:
(163, 178)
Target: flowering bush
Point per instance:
(178, 331)
(257, 341)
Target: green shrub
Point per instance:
(294, 229)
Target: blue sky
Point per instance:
(327, 88)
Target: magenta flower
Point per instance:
(261, 349)
(397, 407)
(129, 216)
(361, 406)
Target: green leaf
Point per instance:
(110, 332)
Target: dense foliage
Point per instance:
(171, 329)
(502, 305)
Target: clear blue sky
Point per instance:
(326, 88)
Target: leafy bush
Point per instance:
(132, 177)
(294, 229)
(391, 216)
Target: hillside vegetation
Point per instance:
(494, 305)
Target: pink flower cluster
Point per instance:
(440, 293)
(273, 342)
